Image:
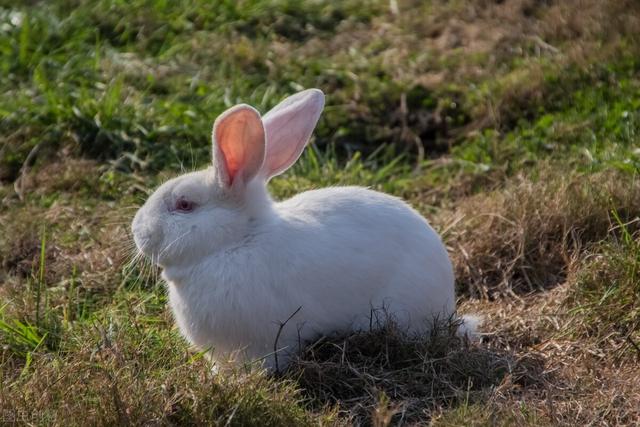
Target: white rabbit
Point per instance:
(238, 265)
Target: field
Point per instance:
(512, 125)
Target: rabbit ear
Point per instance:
(238, 144)
(288, 127)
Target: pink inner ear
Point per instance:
(286, 143)
(239, 135)
(288, 128)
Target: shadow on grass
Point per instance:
(402, 378)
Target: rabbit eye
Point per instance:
(183, 205)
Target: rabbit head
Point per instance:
(194, 215)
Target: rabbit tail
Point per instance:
(469, 325)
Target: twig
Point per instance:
(18, 183)
(123, 417)
(408, 135)
(543, 44)
(275, 344)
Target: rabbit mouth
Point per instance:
(147, 243)
(144, 246)
(158, 251)
(147, 239)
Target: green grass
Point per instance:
(608, 289)
(521, 146)
(99, 75)
(21, 338)
(590, 119)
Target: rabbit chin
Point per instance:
(176, 276)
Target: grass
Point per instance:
(539, 225)
(513, 126)
(607, 291)
(384, 375)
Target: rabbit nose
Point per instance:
(147, 239)
(146, 236)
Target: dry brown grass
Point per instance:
(595, 377)
(86, 237)
(550, 287)
(526, 236)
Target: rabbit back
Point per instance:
(360, 249)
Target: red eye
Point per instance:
(183, 205)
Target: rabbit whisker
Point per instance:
(173, 242)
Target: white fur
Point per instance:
(469, 325)
(240, 264)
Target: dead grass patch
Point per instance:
(86, 247)
(526, 236)
(593, 382)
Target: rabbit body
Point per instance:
(252, 279)
(335, 254)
